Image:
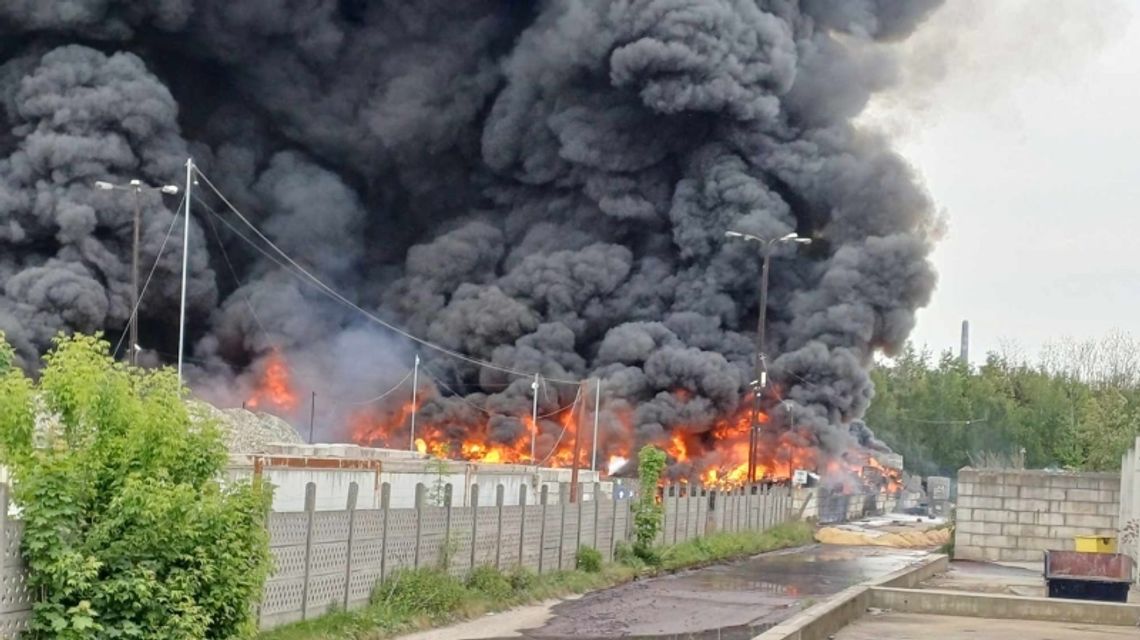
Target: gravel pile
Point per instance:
(247, 431)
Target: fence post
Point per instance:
(597, 511)
(500, 494)
(474, 525)
(677, 489)
(385, 502)
(353, 491)
(545, 496)
(522, 526)
(310, 509)
(578, 538)
(446, 549)
(613, 530)
(563, 499)
(419, 522)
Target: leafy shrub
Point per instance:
(647, 513)
(427, 591)
(490, 582)
(624, 555)
(589, 560)
(522, 579)
(127, 531)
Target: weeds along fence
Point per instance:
(325, 560)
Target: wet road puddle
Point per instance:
(735, 601)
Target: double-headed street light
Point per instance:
(137, 187)
(761, 380)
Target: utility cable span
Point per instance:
(230, 266)
(142, 292)
(561, 433)
(336, 295)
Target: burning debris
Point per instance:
(541, 186)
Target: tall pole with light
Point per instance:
(136, 187)
(761, 380)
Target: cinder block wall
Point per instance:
(1013, 516)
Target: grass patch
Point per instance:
(725, 546)
(426, 598)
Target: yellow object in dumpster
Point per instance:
(1096, 544)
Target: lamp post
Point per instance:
(761, 380)
(136, 187)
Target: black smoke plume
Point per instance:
(541, 184)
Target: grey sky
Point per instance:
(1024, 118)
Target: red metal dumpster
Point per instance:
(1078, 575)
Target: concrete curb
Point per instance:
(989, 605)
(824, 619)
(896, 592)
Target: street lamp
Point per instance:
(761, 380)
(136, 187)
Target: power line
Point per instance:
(230, 266)
(563, 432)
(138, 302)
(342, 299)
(382, 395)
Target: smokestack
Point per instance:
(964, 352)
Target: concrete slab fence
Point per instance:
(326, 559)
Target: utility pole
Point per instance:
(136, 187)
(761, 380)
(185, 269)
(534, 419)
(415, 388)
(577, 443)
(597, 414)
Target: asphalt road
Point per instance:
(723, 602)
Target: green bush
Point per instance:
(624, 555)
(422, 591)
(490, 582)
(589, 560)
(647, 513)
(522, 579)
(127, 531)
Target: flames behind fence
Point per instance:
(715, 457)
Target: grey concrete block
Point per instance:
(984, 503)
(1090, 522)
(1108, 509)
(969, 526)
(1026, 504)
(1042, 493)
(1018, 530)
(967, 552)
(965, 488)
(998, 541)
(1075, 507)
(1082, 495)
(995, 515)
(1018, 555)
(963, 515)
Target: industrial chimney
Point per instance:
(964, 352)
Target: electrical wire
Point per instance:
(230, 266)
(142, 292)
(333, 293)
(562, 433)
(381, 396)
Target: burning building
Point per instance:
(541, 187)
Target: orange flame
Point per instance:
(275, 388)
(716, 455)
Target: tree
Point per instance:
(129, 531)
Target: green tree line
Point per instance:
(1076, 407)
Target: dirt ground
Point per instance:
(908, 626)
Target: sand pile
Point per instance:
(902, 538)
